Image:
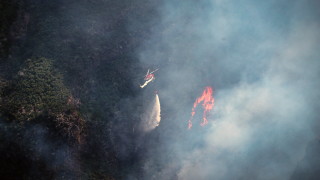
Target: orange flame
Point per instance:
(208, 103)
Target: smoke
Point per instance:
(36, 153)
(151, 118)
(261, 57)
(262, 60)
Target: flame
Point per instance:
(208, 103)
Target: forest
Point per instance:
(71, 106)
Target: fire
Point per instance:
(208, 103)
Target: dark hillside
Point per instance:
(89, 45)
(157, 90)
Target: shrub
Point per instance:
(38, 92)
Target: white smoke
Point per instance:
(151, 118)
(264, 67)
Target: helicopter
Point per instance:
(149, 77)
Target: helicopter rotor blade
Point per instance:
(154, 71)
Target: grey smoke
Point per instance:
(262, 60)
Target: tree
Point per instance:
(38, 92)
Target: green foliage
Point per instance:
(37, 90)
